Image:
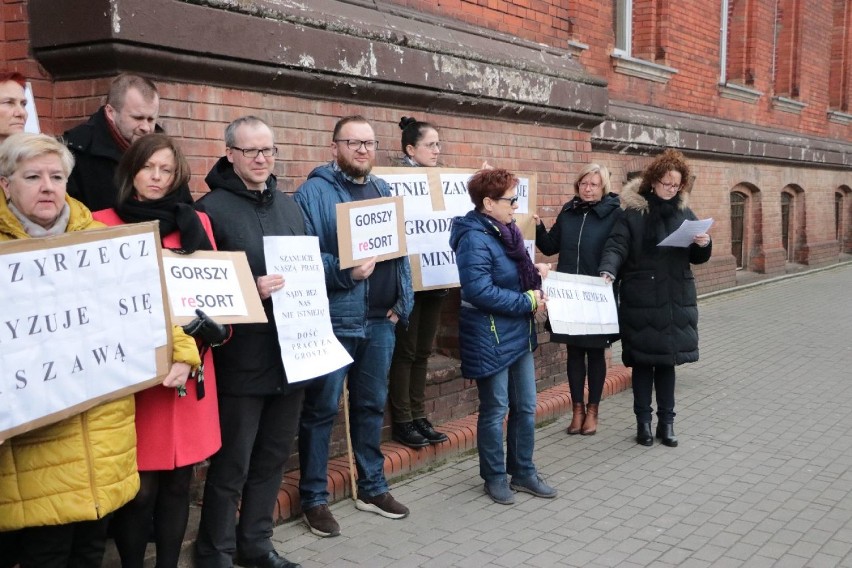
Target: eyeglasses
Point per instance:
(355, 145)
(669, 186)
(512, 200)
(585, 184)
(253, 152)
(432, 145)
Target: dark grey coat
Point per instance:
(658, 309)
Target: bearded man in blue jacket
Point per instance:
(366, 303)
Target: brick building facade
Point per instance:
(757, 93)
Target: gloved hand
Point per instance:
(206, 329)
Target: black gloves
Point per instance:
(206, 329)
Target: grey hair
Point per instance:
(593, 169)
(231, 129)
(26, 146)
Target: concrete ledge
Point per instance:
(401, 460)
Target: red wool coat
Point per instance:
(174, 431)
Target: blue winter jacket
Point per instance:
(347, 298)
(496, 325)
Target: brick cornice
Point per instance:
(323, 49)
(644, 129)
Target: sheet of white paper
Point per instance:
(684, 234)
(80, 326)
(309, 347)
(580, 305)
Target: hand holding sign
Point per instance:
(365, 270)
(267, 285)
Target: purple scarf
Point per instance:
(513, 241)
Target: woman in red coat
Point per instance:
(174, 432)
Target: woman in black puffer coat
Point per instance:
(658, 308)
(578, 236)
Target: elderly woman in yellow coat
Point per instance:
(58, 483)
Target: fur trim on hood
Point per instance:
(632, 199)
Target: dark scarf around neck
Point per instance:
(659, 210)
(513, 242)
(174, 211)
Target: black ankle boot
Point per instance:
(405, 433)
(643, 434)
(665, 432)
(428, 431)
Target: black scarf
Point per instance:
(174, 211)
(582, 206)
(659, 211)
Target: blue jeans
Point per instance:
(511, 390)
(368, 393)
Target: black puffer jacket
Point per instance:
(578, 236)
(250, 363)
(658, 309)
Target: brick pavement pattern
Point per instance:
(762, 476)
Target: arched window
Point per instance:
(738, 221)
(786, 208)
(838, 219)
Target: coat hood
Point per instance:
(80, 219)
(632, 199)
(222, 176)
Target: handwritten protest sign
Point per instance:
(308, 346)
(580, 305)
(370, 228)
(83, 322)
(218, 282)
(428, 221)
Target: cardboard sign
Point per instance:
(219, 283)
(580, 305)
(84, 321)
(309, 347)
(429, 210)
(370, 228)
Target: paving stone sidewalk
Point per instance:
(762, 476)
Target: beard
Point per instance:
(351, 169)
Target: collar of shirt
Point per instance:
(347, 177)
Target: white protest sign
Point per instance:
(309, 348)
(580, 305)
(371, 228)
(31, 125)
(83, 320)
(413, 187)
(207, 284)
(523, 192)
(454, 189)
(439, 268)
(426, 230)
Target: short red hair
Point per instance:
(13, 76)
(490, 183)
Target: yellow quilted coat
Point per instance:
(83, 467)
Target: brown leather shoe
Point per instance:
(578, 418)
(590, 424)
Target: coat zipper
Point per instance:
(90, 462)
(494, 328)
(580, 240)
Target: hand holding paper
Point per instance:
(686, 233)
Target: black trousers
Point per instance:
(257, 437)
(73, 545)
(659, 378)
(578, 370)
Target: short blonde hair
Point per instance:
(26, 146)
(593, 169)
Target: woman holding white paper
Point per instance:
(578, 237)
(175, 429)
(58, 482)
(658, 308)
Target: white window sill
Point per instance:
(785, 104)
(839, 117)
(739, 93)
(628, 65)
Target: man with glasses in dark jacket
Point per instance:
(258, 409)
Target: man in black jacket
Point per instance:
(130, 112)
(258, 409)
